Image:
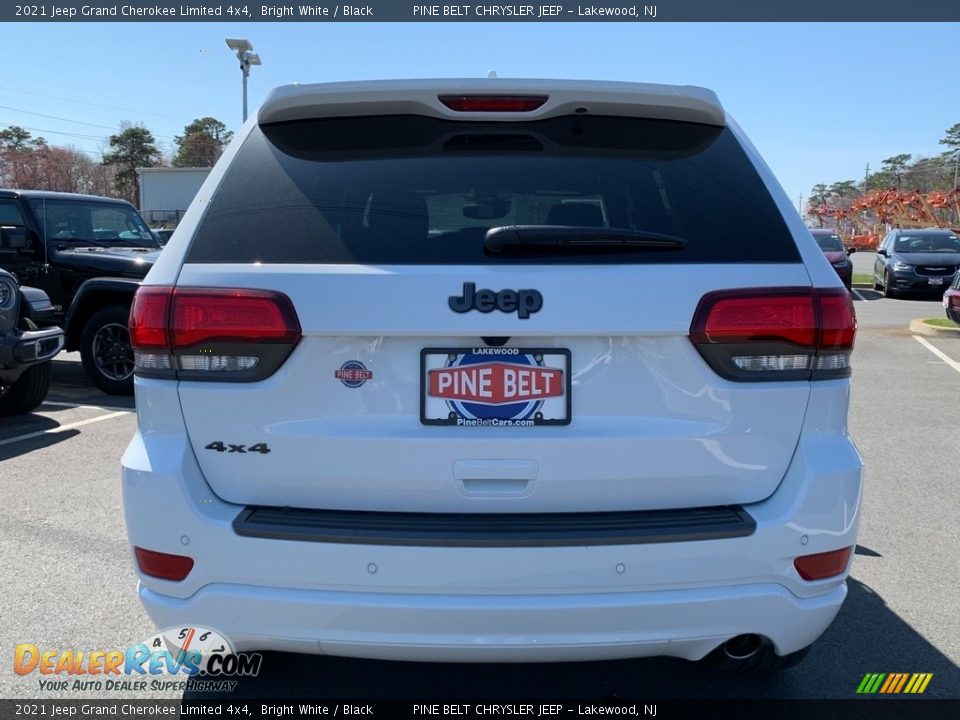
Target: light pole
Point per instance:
(247, 57)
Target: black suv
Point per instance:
(88, 254)
(24, 349)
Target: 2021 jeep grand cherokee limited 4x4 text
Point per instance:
(494, 370)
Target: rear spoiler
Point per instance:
(685, 103)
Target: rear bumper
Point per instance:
(448, 603)
(483, 628)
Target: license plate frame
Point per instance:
(551, 411)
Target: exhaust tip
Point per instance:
(742, 647)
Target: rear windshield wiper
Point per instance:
(562, 238)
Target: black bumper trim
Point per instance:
(494, 529)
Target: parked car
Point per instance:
(490, 371)
(88, 254)
(25, 350)
(833, 250)
(951, 300)
(916, 261)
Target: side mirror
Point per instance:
(14, 237)
(881, 251)
(851, 251)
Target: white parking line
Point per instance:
(936, 351)
(62, 428)
(87, 407)
(857, 294)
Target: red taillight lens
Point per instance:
(148, 317)
(838, 320)
(493, 103)
(163, 565)
(258, 316)
(211, 333)
(823, 565)
(776, 333)
(745, 318)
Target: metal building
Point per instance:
(166, 193)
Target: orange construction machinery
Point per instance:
(866, 216)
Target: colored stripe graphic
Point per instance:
(894, 683)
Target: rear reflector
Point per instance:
(163, 565)
(776, 333)
(823, 565)
(211, 333)
(493, 103)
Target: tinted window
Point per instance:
(91, 222)
(928, 242)
(413, 190)
(829, 243)
(10, 214)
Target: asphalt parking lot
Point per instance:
(69, 582)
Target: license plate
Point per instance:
(495, 386)
(935, 281)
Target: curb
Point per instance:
(919, 327)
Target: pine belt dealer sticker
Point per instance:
(495, 386)
(353, 374)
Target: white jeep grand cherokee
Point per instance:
(494, 370)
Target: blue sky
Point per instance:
(819, 101)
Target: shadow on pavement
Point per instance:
(71, 384)
(22, 447)
(866, 637)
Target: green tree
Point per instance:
(819, 194)
(133, 147)
(15, 139)
(844, 189)
(202, 143)
(895, 166)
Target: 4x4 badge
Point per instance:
(522, 302)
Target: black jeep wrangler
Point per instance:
(25, 350)
(88, 254)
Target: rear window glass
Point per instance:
(828, 243)
(416, 190)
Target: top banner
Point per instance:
(404, 11)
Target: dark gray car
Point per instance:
(916, 261)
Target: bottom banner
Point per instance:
(873, 709)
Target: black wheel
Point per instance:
(888, 290)
(27, 392)
(106, 352)
(751, 654)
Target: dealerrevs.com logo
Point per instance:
(165, 661)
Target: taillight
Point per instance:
(493, 103)
(163, 565)
(823, 565)
(776, 334)
(211, 333)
